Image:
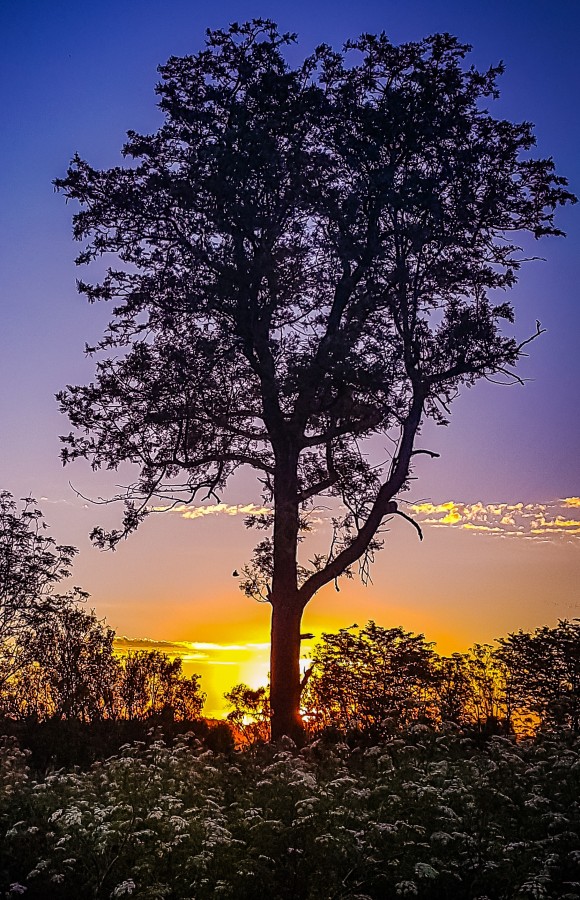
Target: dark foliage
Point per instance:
(422, 813)
(56, 744)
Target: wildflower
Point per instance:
(126, 887)
(533, 889)
(423, 870)
(407, 889)
(441, 837)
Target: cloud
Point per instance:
(209, 653)
(197, 512)
(182, 649)
(548, 521)
(551, 520)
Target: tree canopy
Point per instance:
(306, 257)
(32, 565)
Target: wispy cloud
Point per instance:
(545, 521)
(204, 651)
(183, 649)
(571, 502)
(197, 512)
(553, 520)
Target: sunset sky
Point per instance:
(500, 509)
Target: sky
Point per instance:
(499, 508)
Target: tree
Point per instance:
(544, 670)
(489, 702)
(453, 687)
(152, 684)
(307, 258)
(250, 713)
(31, 565)
(363, 677)
(74, 650)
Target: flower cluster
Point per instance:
(424, 813)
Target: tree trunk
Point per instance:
(285, 670)
(286, 604)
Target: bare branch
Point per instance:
(430, 453)
(403, 515)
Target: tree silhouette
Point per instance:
(363, 679)
(250, 712)
(74, 652)
(31, 565)
(453, 687)
(152, 684)
(544, 669)
(489, 702)
(304, 260)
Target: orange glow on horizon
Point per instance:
(466, 583)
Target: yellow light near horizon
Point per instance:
(219, 666)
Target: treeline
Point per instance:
(68, 669)
(369, 681)
(58, 663)
(57, 659)
(363, 677)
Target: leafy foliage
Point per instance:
(544, 669)
(71, 670)
(365, 678)
(300, 248)
(250, 712)
(31, 566)
(370, 681)
(57, 658)
(152, 684)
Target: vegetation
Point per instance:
(58, 664)
(250, 712)
(32, 564)
(422, 813)
(305, 258)
(418, 779)
(360, 678)
(57, 659)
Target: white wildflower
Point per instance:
(423, 870)
(407, 889)
(126, 887)
(72, 817)
(533, 889)
(441, 837)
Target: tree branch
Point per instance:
(383, 506)
(430, 453)
(403, 515)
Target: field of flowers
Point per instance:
(423, 814)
